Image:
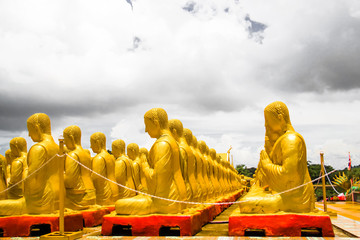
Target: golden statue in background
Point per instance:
(138, 172)
(19, 168)
(165, 173)
(282, 166)
(104, 164)
(80, 190)
(3, 177)
(123, 169)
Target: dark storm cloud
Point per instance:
(15, 111)
(326, 59)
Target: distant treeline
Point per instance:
(314, 171)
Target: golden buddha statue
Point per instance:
(9, 157)
(215, 171)
(199, 169)
(3, 180)
(19, 167)
(165, 174)
(138, 174)
(206, 168)
(104, 164)
(176, 129)
(41, 190)
(282, 166)
(123, 169)
(191, 165)
(80, 190)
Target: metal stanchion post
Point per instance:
(323, 180)
(61, 185)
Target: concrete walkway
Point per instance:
(348, 216)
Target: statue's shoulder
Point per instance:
(292, 138)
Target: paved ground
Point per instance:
(347, 218)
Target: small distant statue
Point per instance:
(80, 190)
(104, 164)
(123, 169)
(19, 168)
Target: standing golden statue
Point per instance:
(165, 173)
(80, 190)
(104, 164)
(282, 166)
(123, 169)
(19, 168)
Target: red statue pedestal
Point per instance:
(95, 217)
(26, 225)
(286, 224)
(151, 225)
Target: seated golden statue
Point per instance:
(19, 168)
(214, 171)
(3, 180)
(199, 164)
(191, 164)
(104, 164)
(206, 168)
(123, 169)
(41, 187)
(138, 172)
(9, 157)
(165, 174)
(282, 166)
(80, 190)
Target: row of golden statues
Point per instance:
(177, 167)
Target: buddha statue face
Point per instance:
(176, 128)
(118, 148)
(277, 120)
(133, 151)
(188, 136)
(155, 120)
(72, 137)
(97, 142)
(34, 132)
(212, 153)
(37, 125)
(8, 156)
(17, 146)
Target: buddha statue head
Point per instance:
(176, 128)
(38, 125)
(212, 153)
(72, 137)
(144, 156)
(98, 142)
(277, 121)
(202, 146)
(18, 146)
(118, 148)
(9, 156)
(194, 142)
(133, 151)
(188, 136)
(156, 122)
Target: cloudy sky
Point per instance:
(214, 65)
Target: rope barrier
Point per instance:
(193, 203)
(327, 176)
(15, 184)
